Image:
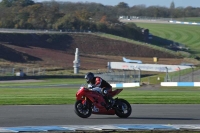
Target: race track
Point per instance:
(47, 115)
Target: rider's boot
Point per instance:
(112, 102)
(109, 102)
(106, 104)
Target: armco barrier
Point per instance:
(122, 85)
(186, 84)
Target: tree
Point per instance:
(6, 3)
(103, 19)
(122, 5)
(122, 9)
(138, 10)
(83, 15)
(23, 3)
(172, 8)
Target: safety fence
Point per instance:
(144, 18)
(120, 76)
(186, 75)
(4, 71)
(144, 77)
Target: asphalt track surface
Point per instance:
(47, 115)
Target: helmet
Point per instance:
(89, 76)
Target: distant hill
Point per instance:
(57, 50)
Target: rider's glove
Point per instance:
(92, 86)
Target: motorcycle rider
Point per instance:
(105, 88)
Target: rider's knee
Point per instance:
(106, 91)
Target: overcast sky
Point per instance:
(166, 3)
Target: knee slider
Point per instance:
(104, 91)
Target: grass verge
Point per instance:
(17, 94)
(184, 34)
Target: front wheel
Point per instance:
(123, 108)
(83, 111)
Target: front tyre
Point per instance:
(123, 108)
(83, 111)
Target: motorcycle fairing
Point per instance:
(115, 92)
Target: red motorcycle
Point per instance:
(92, 102)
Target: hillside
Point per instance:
(57, 50)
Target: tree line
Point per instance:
(27, 14)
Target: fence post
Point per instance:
(139, 75)
(167, 76)
(13, 71)
(33, 71)
(192, 73)
(27, 71)
(108, 67)
(43, 72)
(124, 76)
(133, 75)
(179, 74)
(39, 72)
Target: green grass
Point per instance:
(37, 96)
(188, 19)
(137, 43)
(173, 95)
(154, 79)
(184, 34)
(16, 95)
(44, 82)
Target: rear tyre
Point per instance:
(123, 108)
(83, 111)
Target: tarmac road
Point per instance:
(47, 115)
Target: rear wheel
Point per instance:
(83, 111)
(123, 108)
